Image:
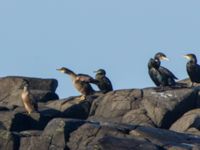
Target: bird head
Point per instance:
(64, 70)
(161, 56)
(190, 57)
(24, 85)
(100, 71)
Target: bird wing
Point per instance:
(153, 73)
(198, 69)
(165, 71)
(86, 78)
(108, 82)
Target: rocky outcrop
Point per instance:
(148, 107)
(150, 118)
(54, 136)
(8, 140)
(73, 107)
(116, 136)
(189, 122)
(43, 90)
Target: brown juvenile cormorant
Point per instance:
(81, 82)
(193, 69)
(104, 83)
(28, 101)
(161, 76)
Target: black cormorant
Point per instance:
(193, 69)
(161, 76)
(104, 83)
(81, 82)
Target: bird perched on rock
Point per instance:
(28, 101)
(81, 82)
(161, 76)
(104, 83)
(193, 69)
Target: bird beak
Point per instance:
(95, 71)
(187, 57)
(164, 58)
(60, 70)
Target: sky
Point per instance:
(120, 36)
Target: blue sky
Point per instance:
(36, 37)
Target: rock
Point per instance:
(188, 82)
(149, 107)
(113, 143)
(12, 82)
(35, 143)
(116, 136)
(119, 106)
(59, 130)
(88, 135)
(188, 122)
(12, 121)
(29, 133)
(194, 131)
(166, 138)
(33, 140)
(166, 107)
(8, 141)
(42, 90)
(138, 117)
(54, 136)
(44, 96)
(73, 107)
(122, 119)
(20, 121)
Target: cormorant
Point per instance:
(161, 76)
(81, 82)
(193, 69)
(28, 101)
(104, 83)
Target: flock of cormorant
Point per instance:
(161, 76)
(82, 81)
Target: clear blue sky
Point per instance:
(36, 37)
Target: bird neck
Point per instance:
(71, 73)
(98, 76)
(193, 61)
(156, 63)
(26, 89)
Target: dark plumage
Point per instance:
(193, 69)
(104, 83)
(80, 81)
(161, 76)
